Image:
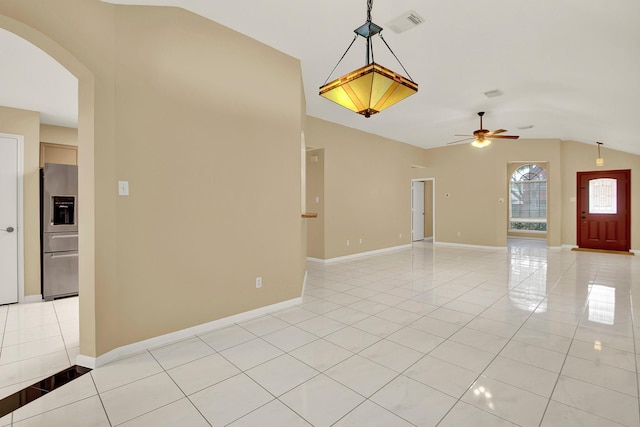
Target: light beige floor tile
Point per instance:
(414, 401)
(603, 375)
(182, 352)
(229, 400)
(251, 353)
(125, 371)
(597, 400)
(534, 355)
(78, 389)
(273, 414)
(505, 401)
(352, 339)
(321, 401)
(321, 354)
(134, 399)
(371, 415)
(441, 375)
(222, 339)
(415, 339)
(392, 355)
(560, 415)
(87, 412)
(281, 374)
(464, 414)
(462, 355)
(180, 413)
(522, 375)
(361, 375)
(264, 325)
(202, 373)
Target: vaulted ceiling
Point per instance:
(566, 69)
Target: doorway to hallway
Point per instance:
(422, 209)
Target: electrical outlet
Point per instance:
(459, 234)
(348, 243)
(360, 240)
(258, 282)
(400, 236)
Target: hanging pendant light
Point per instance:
(372, 88)
(599, 159)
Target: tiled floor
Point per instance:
(37, 340)
(433, 335)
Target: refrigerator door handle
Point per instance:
(64, 236)
(54, 256)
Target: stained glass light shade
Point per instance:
(369, 90)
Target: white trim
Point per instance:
(433, 204)
(32, 298)
(635, 251)
(359, 254)
(569, 246)
(464, 245)
(20, 202)
(304, 284)
(140, 346)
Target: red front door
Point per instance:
(604, 210)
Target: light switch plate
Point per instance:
(123, 188)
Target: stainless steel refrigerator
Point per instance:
(59, 230)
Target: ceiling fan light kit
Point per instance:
(372, 88)
(481, 136)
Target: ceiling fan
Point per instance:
(480, 136)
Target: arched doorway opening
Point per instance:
(86, 134)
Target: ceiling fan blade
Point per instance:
(496, 131)
(457, 134)
(460, 140)
(505, 136)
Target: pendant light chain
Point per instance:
(369, 7)
(341, 58)
(394, 55)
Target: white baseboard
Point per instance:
(140, 346)
(465, 245)
(569, 246)
(359, 254)
(32, 298)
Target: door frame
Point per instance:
(627, 193)
(20, 211)
(433, 205)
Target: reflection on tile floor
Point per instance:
(433, 335)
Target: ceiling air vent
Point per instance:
(493, 93)
(405, 22)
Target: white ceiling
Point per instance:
(570, 68)
(32, 80)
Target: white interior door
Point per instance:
(417, 210)
(8, 219)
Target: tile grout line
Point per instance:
(566, 356)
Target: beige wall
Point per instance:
(58, 134)
(212, 156)
(471, 183)
(367, 194)
(367, 187)
(27, 124)
(578, 157)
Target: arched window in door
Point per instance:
(528, 205)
